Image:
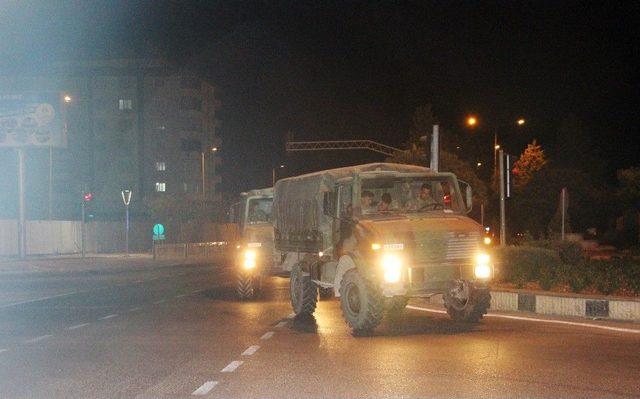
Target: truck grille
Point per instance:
(462, 246)
(451, 246)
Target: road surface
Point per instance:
(178, 332)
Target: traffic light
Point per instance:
(88, 197)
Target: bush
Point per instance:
(631, 273)
(520, 265)
(607, 275)
(550, 263)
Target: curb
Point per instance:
(562, 305)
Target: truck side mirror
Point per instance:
(328, 203)
(468, 195)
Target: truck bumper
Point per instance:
(425, 281)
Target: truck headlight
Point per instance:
(392, 267)
(249, 259)
(483, 266)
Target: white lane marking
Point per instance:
(181, 296)
(197, 291)
(281, 324)
(205, 388)
(38, 339)
(111, 316)
(78, 326)
(231, 367)
(139, 281)
(2, 350)
(570, 323)
(291, 316)
(159, 302)
(267, 335)
(37, 300)
(251, 350)
(135, 309)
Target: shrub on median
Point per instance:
(523, 264)
(552, 264)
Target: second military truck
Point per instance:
(255, 254)
(379, 234)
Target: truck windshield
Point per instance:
(259, 210)
(393, 195)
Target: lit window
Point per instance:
(125, 104)
(161, 166)
(161, 187)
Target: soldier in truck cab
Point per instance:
(424, 200)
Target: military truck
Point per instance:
(255, 254)
(379, 234)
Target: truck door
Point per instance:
(342, 225)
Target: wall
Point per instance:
(53, 237)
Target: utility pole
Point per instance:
(435, 149)
(50, 213)
(82, 226)
(503, 224)
(22, 228)
(204, 195)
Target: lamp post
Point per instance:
(126, 199)
(472, 122)
(273, 174)
(203, 170)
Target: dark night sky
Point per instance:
(358, 70)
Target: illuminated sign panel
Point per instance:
(32, 119)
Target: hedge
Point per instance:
(556, 263)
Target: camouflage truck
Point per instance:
(255, 254)
(379, 234)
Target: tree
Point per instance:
(535, 204)
(530, 162)
(628, 192)
(628, 197)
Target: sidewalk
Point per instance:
(91, 263)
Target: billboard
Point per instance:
(32, 119)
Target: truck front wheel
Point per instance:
(248, 285)
(465, 303)
(361, 302)
(303, 292)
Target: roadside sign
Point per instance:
(158, 232)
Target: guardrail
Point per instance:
(197, 250)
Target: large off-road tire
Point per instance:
(465, 303)
(361, 302)
(248, 286)
(303, 292)
(325, 293)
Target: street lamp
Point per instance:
(126, 199)
(273, 174)
(472, 121)
(67, 98)
(202, 167)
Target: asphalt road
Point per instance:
(180, 333)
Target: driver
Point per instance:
(424, 200)
(366, 201)
(256, 214)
